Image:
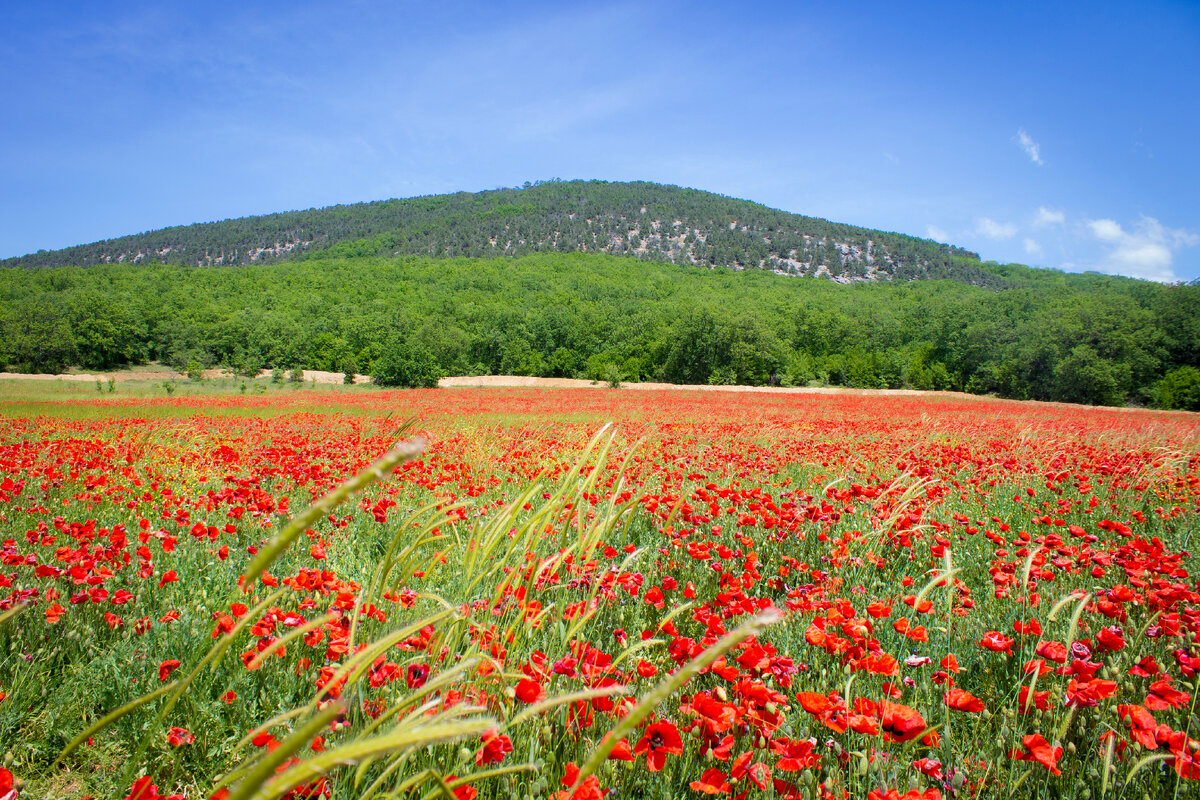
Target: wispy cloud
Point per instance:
(1031, 148)
(1032, 248)
(1046, 217)
(1147, 252)
(985, 226)
(936, 233)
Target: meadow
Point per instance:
(472, 593)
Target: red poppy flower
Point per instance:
(143, 789)
(8, 788)
(621, 751)
(1142, 726)
(467, 792)
(899, 722)
(646, 669)
(530, 691)
(879, 610)
(1035, 748)
(1146, 668)
(961, 700)
(997, 642)
(1111, 638)
(795, 754)
(1089, 693)
(166, 668)
(495, 746)
(1052, 651)
(178, 736)
(814, 703)
(659, 739)
(1040, 701)
(1033, 627)
(1162, 696)
(711, 782)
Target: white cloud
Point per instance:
(936, 233)
(1031, 148)
(1048, 216)
(1106, 230)
(995, 230)
(1146, 252)
(1032, 248)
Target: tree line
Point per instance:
(1049, 336)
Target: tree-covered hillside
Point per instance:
(1050, 336)
(646, 220)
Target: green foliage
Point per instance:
(349, 369)
(38, 336)
(1180, 388)
(406, 363)
(1082, 338)
(1084, 377)
(612, 376)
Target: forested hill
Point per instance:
(645, 220)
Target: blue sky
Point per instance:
(1059, 135)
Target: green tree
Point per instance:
(349, 369)
(1084, 377)
(406, 363)
(39, 338)
(1180, 388)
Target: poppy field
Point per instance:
(593, 593)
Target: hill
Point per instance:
(644, 220)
